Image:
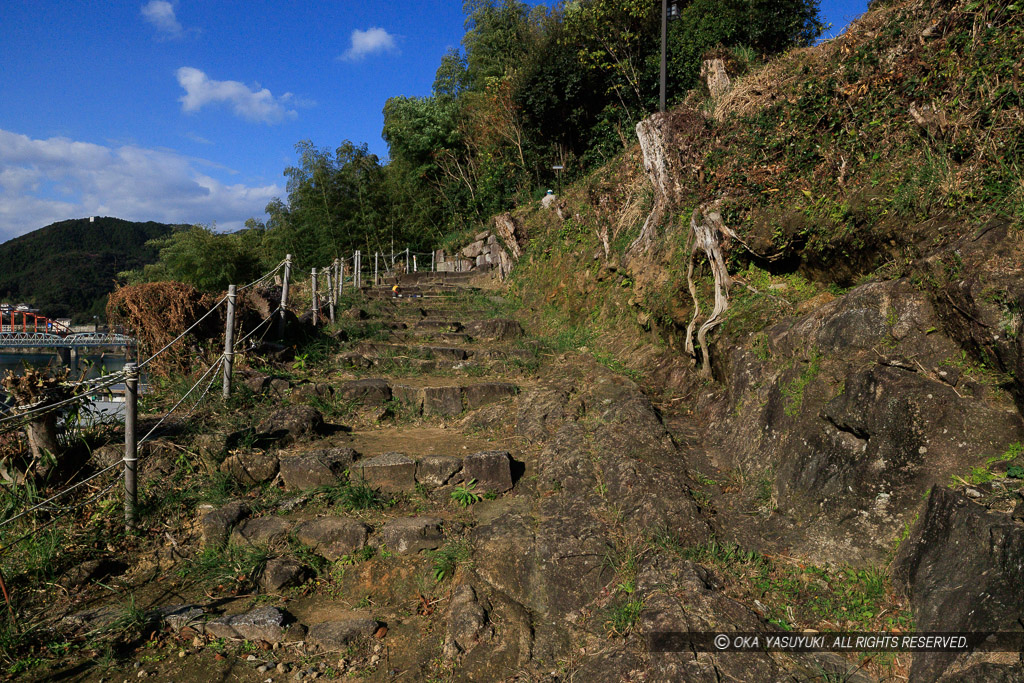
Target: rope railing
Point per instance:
(341, 273)
(256, 329)
(217, 364)
(182, 335)
(59, 494)
(53, 520)
(21, 416)
(264, 278)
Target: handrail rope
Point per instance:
(263, 277)
(195, 405)
(99, 382)
(60, 493)
(216, 364)
(37, 410)
(60, 509)
(53, 521)
(262, 323)
(176, 339)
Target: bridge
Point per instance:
(30, 329)
(22, 340)
(12, 319)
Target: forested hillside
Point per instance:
(69, 267)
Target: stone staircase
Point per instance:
(408, 476)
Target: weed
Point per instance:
(793, 391)
(621, 618)
(356, 495)
(464, 494)
(241, 564)
(448, 556)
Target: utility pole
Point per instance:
(664, 40)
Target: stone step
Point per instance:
(414, 292)
(492, 329)
(442, 400)
(385, 350)
(318, 468)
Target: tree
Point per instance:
(207, 260)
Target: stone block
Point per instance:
(478, 395)
(446, 352)
(216, 524)
(491, 469)
(482, 235)
(495, 329)
(292, 423)
(492, 239)
(262, 623)
(438, 325)
(481, 260)
(324, 467)
(180, 616)
(408, 396)
(263, 531)
(309, 390)
(390, 471)
(212, 448)
(436, 470)
(332, 537)
(283, 572)
(409, 535)
(442, 401)
(473, 250)
(336, 635)
(250, 469)
(370, 391)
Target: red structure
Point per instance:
(13, 320)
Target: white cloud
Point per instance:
(42, 181)
(195, 137)
(254, 105)
(160, 14)
(371, 41)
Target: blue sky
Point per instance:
(188, 111)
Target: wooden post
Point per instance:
(432, 267)
(284, 294)
(407, 260)
(131, 454)
(357, 269)
(330, 296)
(337, 279)
(316, 303)
(414, 263)
(229, 342)
(376, 277)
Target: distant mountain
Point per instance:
(67, 269)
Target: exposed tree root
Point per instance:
(705, 232)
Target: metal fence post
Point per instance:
(376, 277)
(284, 294)
(357, 269)
(407, 260)
(131, 454)
(432, 252)
(414, 263)
(315, 304)
(229, 342)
